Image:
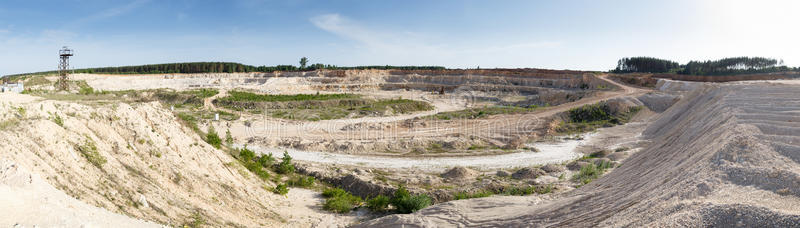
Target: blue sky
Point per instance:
(567, 34)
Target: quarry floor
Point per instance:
(302, 206)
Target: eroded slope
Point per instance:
(138, 160)
(724, 156)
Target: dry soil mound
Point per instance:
(460, 173)
(726, 155)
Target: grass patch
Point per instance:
(478, 113)
(6, 124)
(302, 181)
(467, 195)
(591, 172)
(247, 96)
(89, 151)
(317, 107)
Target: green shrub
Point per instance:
(266, 160)
(281, 189)
(286, 166)
(592, 112)
(257, 169)
(406, 203)
(89, 151)
(379, 203)
(333, 192)
(212, 138)
(339, 200)
(246, 155)
(302, 181)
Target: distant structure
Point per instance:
(12, 87)
(63, 66)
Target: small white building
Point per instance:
(12, 87)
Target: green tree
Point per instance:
(286, 165)
(303, 62)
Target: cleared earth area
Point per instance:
(372, 148)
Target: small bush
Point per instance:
(286, 166)
(246, 155)
(339, 200)
(281, 189)
(266, 160)
(333, 192)
(212, 138)
(89, 151)
(257, 169)
(406, 203)
(379, 203)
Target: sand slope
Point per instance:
(726, 155)
(30, 201)
(155, 168)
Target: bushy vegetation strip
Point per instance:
(590, 117)
(316, 107)
(478, 113)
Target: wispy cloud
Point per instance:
(109, 13)
(410, 45)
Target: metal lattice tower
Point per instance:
(63, 66)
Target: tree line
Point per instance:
(725, 66)
(225, 67)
